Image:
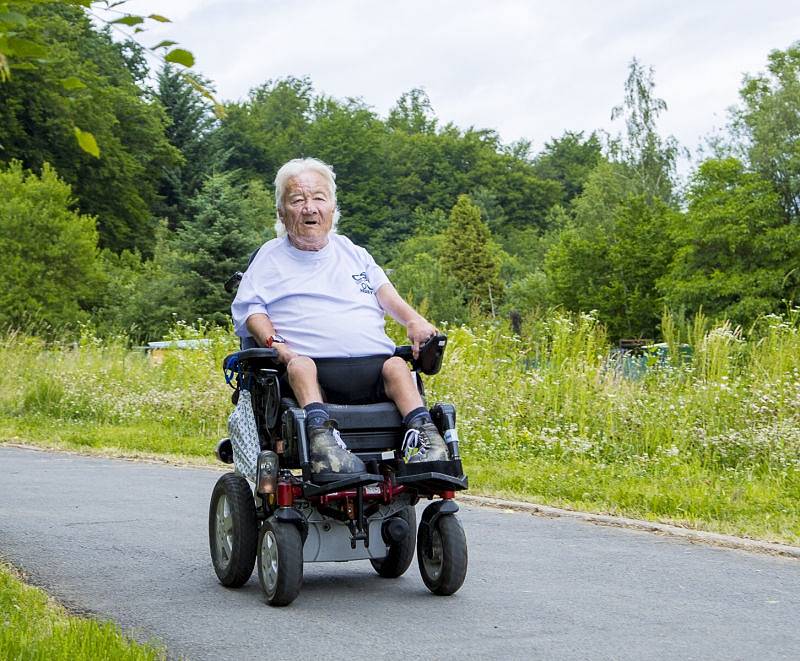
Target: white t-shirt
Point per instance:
(322, 302)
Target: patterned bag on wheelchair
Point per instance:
(244, 436)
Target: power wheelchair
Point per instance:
(287, 517)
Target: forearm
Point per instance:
(260, 327)
(418, 328)
(395, 306)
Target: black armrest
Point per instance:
(430, 355)
(259, 354)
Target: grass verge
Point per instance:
(708, 439)
(34, 627)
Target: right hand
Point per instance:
(285, 354)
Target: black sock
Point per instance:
(316, 414)
(418, 416)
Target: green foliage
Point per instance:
(189, 128)
(419, 276)
(569, 160)
(611, 256)
(413, 113)
(768, 124)
(48, 251)
(470, 256)
(259, 135)
(38, 115)
(649, 157)
(737, 256)
(25, 51)
(141, 298)
(228, 223)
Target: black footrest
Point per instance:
(433, 482)
(350, 482)
(450, 467)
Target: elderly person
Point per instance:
(320, 301)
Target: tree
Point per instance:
(22, 49)
(569, 160)
(228, 222)
(737, 257)
(610, 256)
(650, 158)
(469, 255)
(768, 126)
(419, 276)
(413, 113)
(36, 114)
(48, 251)
(190, 123)
(259, 135)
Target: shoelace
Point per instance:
(414, 442)
(338, 438)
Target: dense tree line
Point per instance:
(469, 226)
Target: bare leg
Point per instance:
(302, 374)
(328, 457)
(398, 381)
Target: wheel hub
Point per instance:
(433, 561)
(269, 562)
(224, 530)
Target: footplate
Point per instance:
(433, 476)
(353, 482)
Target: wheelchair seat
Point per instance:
(364, 427)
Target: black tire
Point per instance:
(280, 562)
(400, 555)
(443, 557)
(232, 530)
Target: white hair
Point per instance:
(294, 168)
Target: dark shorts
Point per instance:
(348, 380)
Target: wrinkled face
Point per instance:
(308, 208)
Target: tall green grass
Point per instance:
(34, 628)
(709, 440)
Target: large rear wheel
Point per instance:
(232, 530)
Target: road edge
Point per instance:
(535, 509)
(695, 536)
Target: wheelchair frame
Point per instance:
(369, 516)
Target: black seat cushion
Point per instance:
(352, 417)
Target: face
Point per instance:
(308, 208)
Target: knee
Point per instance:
(395, 368)
(301, 368)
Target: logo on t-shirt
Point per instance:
(363, 280)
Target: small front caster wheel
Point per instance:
(442, 554)
(232, 530)
(401, 553)
(280, 562)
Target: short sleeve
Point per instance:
(247, 302)
(375, 274)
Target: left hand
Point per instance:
(419, 331)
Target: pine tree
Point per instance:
(228, 222)
(191, 122)
(470, 254)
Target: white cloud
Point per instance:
(527, 69)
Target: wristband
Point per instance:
(273, 339)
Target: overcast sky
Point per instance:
(526, 69)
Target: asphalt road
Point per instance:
(128, 541)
